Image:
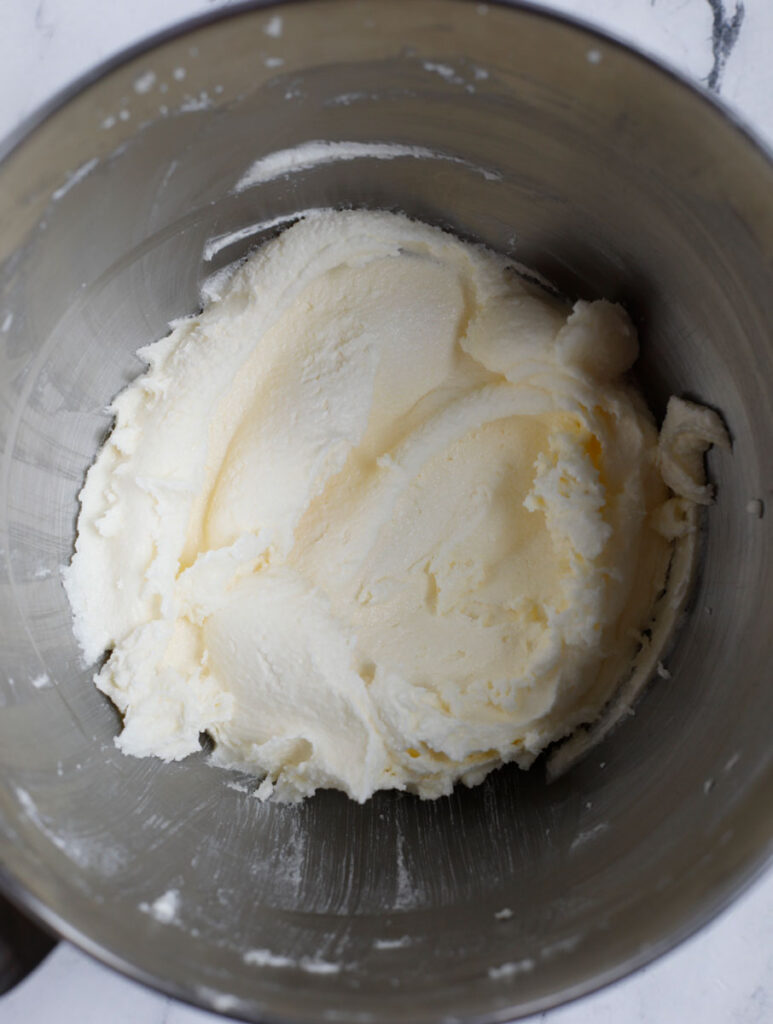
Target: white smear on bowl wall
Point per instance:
(145, 82)
(401, 943)
(273, 27)
(75, 177)
(509, 970)
(318, 152)
(265, 958)
(165, 908)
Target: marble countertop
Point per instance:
(725, 973)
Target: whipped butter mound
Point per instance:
(384, 515)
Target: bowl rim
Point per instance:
(724, 893)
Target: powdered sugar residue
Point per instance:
(312, 965)
(405, 895)
(584, 837)
(401, 943)
(318, 152)
(273, 27)
(74, 178)
(509, 970)
(265, 958)
(165, 908)
(89, 854)
(219, 242)
(444, 70)
(145, 82)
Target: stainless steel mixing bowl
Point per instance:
(613, 178)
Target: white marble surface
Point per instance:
(724, 975)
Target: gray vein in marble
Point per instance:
(724, 36)
(43, 24)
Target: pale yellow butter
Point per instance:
(383, 515)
